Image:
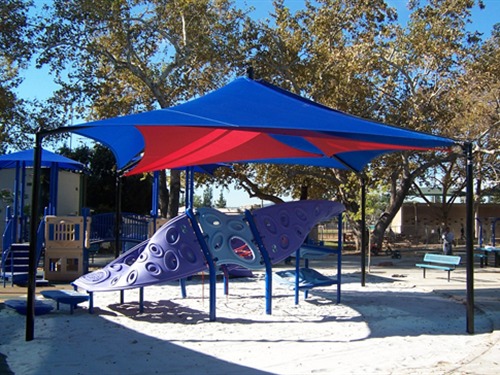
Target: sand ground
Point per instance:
(398, 323)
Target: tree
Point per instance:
(322, 53)
(16, 49)
(208, 196)
(353, 56)
(221, 201)
(101, 183)
(476, 109)
(118, 57)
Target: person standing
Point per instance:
(448, 238)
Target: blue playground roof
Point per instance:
(48, 158)
(251, 121)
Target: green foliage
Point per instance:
(6, 196)
(16, 49)
(208, 196)
(221, 201)
(101, 182)
(117, 57)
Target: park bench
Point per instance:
(439, 262)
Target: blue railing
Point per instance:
(133, 227)
(8, 237)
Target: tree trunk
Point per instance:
(175, 192)
(398, 194)
(304, 191)
(164, 194)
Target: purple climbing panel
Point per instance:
(284, 227)
(172, 253)
(229, 239)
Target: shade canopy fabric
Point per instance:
(251, 121)
(48, 158)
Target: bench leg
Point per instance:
(424, 272)
(449, 276)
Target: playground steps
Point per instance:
(15, 265)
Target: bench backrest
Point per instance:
(444, 259)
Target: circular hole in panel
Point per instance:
(217, 242)
(301, 214)
(284, 219)
(97, 276)
(184, 228)
(132, 277)
(187, 253)
(114, 280)
(212, 220)
(153, 269)
(299, 231)
(156, 250)
(116, 267)
(237, 226)
(241, 248)
(274, 248)
(171, 261)
(130, 260)
(284, 241)
(270, 225)
(172, 235)
(143, 257)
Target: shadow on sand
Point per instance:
(386, 313)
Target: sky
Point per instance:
(38, 84)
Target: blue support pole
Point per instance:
(297, 273)
(23, 233)
(265, 257)
(86, 215)
(189, 206)
(339, 258)
(54, 182)
(189, 188)
(141, 300)
(16, 216)
(210, 262)
(154, 198)
(182, 283)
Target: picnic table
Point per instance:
(491, 250)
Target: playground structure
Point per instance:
(67, 243)
(210, 240)
(65, 240)
(483, 223)
(251, 121)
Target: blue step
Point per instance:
(16, 265)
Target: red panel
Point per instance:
(178, 146)
(334, 145)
